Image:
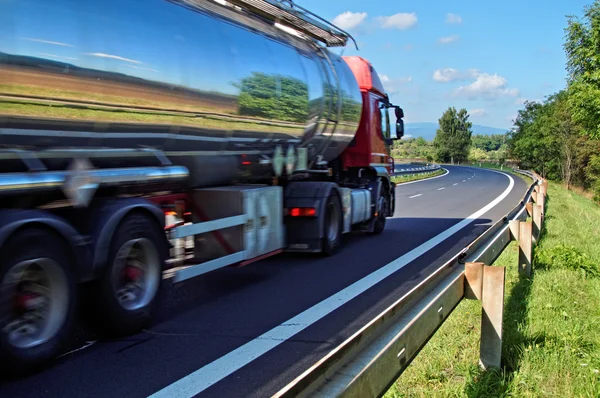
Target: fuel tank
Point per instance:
(211, 86)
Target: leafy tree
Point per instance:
(582, 48)
(592, 172)
(477, 155)
(453, 137)
(488, 143)
(546, 138)
(413, 148)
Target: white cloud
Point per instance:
(448, 39)
(401, 20)
(384, 78)
(56, 43)
(478, 112)
(487, 86)
(450, 74)
(102, 55)
(349, 20)
(453, 19)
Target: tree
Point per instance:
(529, 142)
(546, 138)
(583, 64)
(567, 132)
(453, 137)
(488, 143)
(413, 148)
(477, 155)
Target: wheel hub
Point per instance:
(132, 273)
(37, 293)
(136, 281)
(27, 301)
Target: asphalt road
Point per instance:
(237, 332)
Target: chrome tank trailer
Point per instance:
(206, 84)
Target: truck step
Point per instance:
(182, 273)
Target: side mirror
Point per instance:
(399, 112)
(399, 129)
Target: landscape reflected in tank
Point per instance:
(199, 74)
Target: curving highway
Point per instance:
(246, 332)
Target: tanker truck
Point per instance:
(146, 143)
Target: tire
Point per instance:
(332, 231)
(379, 224)
(124, 310)
(32, 259)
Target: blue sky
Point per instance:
(489, 55)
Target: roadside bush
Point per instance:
(564, 256)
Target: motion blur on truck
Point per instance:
(146, 143)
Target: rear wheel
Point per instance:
(332, 226)
(37, 300)
(126, 295)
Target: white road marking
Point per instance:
(206, 376)
(87, 344)
(439, 189)
(414, 196)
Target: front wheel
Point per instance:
(126, 295)
(332, 226)
(37, 300)
(381, 215)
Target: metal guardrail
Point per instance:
(416, 170)
(369, 362)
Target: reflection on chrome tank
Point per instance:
(192, 78)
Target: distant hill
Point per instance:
(427, 130)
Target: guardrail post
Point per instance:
(537, 223)
(474, 279)
(525, 247)
(542, 198)
(490, 350)
(513, 226)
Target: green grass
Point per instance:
(551, 341)
(416, 177)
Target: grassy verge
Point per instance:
(551, 321)
(416, 177)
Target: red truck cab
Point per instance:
(372, 142)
